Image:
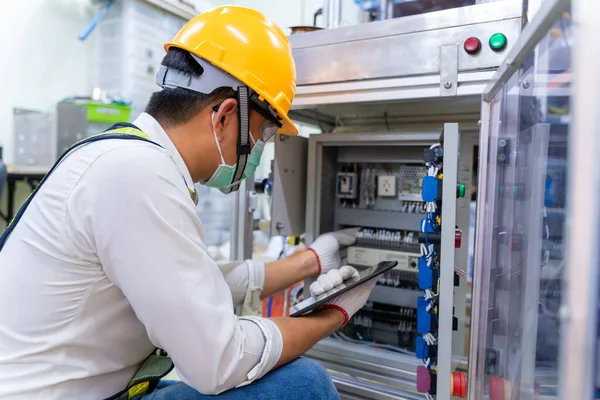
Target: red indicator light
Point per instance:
(457, 238)
(472, 45)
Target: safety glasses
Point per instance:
(271, 125)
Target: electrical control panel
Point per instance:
(375, 183)
(375, 188)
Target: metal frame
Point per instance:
(389, 89)
(468, 140)
(447, 250)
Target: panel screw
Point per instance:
(526, 85)
(448, 85)
(502, 142)
(501, 157)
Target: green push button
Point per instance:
(460, 190)
(498, 42)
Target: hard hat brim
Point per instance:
(288, 128)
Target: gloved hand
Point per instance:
(351, 301)
(327, 248)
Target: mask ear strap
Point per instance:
(243, 150)
(212, 120)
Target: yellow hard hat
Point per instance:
(250, 47)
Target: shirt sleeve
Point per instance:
(143, 226)
(246, 281)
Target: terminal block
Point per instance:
(426, 320)
(432, 188)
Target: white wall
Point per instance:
(41, 61)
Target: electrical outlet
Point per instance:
(386, 186)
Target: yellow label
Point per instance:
(138, 389)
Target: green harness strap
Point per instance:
(152, 370)
(158, 364)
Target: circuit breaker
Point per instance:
(347, 185)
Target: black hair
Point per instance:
(172, 107)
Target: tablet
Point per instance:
(313, 302)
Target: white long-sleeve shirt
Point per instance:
(107, 263)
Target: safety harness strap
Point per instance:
(158, 364)
(152, 370)
(119, 131)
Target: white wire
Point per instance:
(433, 146)
(431, 207)
(432, 338)
(428, 294)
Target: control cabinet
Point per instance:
(376, 182)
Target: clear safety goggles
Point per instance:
(272, 124)
(272, 121)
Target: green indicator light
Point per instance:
(498, 42)
(460, 190)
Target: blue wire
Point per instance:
(283, 247)
(269, 306)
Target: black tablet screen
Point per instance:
(312, 302)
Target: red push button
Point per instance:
(459, 385)
(472, 45)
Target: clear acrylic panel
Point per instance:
(522, 253)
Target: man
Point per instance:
(106, 261)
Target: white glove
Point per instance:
(327, 248)
(351, 301)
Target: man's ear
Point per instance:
(225, 117)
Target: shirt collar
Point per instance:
(156, 133)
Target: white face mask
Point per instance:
(223, 176)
